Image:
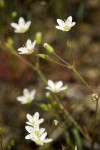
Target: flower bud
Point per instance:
(38, 37)
(48, 48)
(43, 56)
(95, 97)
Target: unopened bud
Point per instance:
(43, 56)
(95, 97)
(38, 37)
(48, 48)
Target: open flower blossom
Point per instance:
(56, 87)
(65, 25)
(27, 97)
(34, 120)
(22, 26)
(36, 134)
(28, 48)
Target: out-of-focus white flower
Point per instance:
(36, 134)
(27, 97)
(56, 87)
(34, 120)
(28, 48)
(22, 26)
(55, 122)
(65, 25)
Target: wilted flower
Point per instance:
(28, 48)
(22, 26)
(27, 97)
(56, 87)
(34, 120)
(65, 25)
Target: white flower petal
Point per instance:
(29, 117)
(40, 120)
(26, 92)
(21, 21)
(22, 49)
(15, 25)
(29, 129)
(69, 19)
(21, 99)
(59, 84)
(59, 27)
(33, 44)
(60, 22)
(27, 24)
(29, 44)
(41, 131)
(51, 84)
(47, 140)
(63, 88)
(36, 116)
(73, 24)
(43, 136)
(32, 94)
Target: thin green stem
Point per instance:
(72, 67)
(33, 67)
(68, 65)
(72, 119)
(82, 79)
(95, 123)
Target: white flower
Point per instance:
(55, 122)
(22, 26)
(56, 87)
(65, 25)
(28, 48)
(36, 134)
(34, 120)
(27, 97)
(40, 139)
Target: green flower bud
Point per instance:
(48, 48)
(38, 37)
(2, 4)
(14, 14)
(43, 56)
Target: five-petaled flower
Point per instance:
(22, 26)
(34, 120)
(56, 87)
(65, 25)
(36, 134)
(27, 97)
(28, 48)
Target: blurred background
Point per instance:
(16, 75)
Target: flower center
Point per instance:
(37, 133)
(67, 28)
(29, 99)
(39, 142)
